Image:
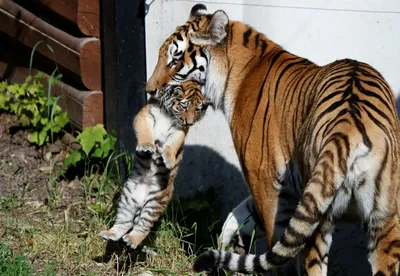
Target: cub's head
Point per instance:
(189, 51)
(186, 102)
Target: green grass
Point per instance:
(12, 263)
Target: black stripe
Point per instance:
(377, 122)
(299, 238)
(257, 264)
(263, 47)
(361, 128)
(242, 264)
(231, 34)
(378, 178)
(246, 36)
(314, 262)
(275, 259)
(257, 40)
(228, 257)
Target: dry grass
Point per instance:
(63, 240)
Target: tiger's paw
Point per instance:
(169, 159)
(109, 235)
(146, 147)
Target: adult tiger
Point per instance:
(337, 123)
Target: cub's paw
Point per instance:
(131, 240)
(146, 147)
(169, 159)
(109, 235)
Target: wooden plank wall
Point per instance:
(71, 28)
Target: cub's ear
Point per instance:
(197, 11)
(214, 33)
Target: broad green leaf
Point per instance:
(34, 138)
(98, 152)
(44, 120)
(24, 120)
(14, 107)
(99, 128)
(21, 91)
(32, 107)
(42, 137)
(73, 158)
(56, 128)
(4, 100)
(107, 145)
(35, 120)
(89, 136)
(113, 140)
(33, 89)
(28, 79)
(13, 88)
(62, 119)
(3, 86)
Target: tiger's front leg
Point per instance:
(266, 195)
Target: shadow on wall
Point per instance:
(203, 168)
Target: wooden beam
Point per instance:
(84, 13)
(84, 108)
(79, 55)
(124, 66)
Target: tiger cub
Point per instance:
(161, 127)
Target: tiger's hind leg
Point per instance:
(316, 255)
(384, 247)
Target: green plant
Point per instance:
(34, 108)
(13, 264)
(95, 142)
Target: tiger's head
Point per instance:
(190, 51)
(185, 102)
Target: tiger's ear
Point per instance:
(215, 32)
(197, 11)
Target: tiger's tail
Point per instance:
(317, 197)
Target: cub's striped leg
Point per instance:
(384, 246)
(316, 256)
(152, 209)
(125, 213)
